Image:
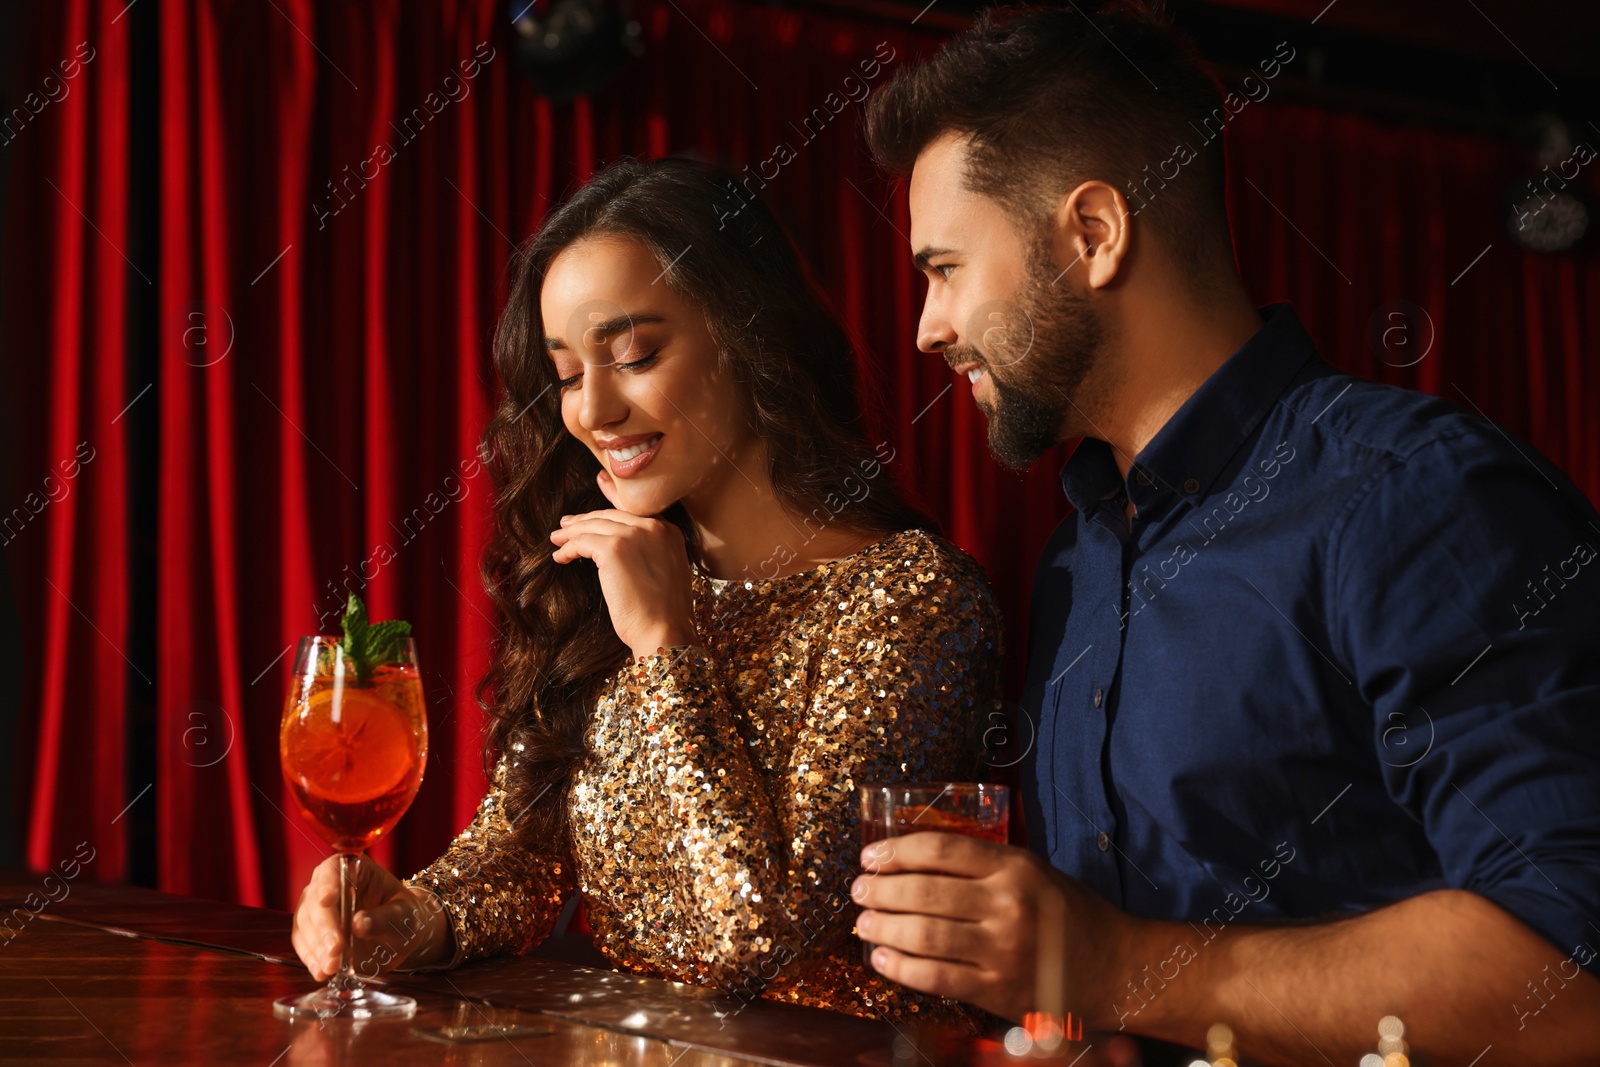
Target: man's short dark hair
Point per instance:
(1053, 97)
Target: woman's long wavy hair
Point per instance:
(796, 367)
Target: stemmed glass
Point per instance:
(353, 745)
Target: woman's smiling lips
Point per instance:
(627, 456)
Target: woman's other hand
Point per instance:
(644, 572)
(393, 925)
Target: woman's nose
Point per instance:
(601, 401)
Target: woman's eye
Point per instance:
(635, 365)
(642, 362)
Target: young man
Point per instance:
(1315, 664)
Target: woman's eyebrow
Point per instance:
(610, 326)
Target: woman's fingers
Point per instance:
(389, 934)
(374, 884)
(316, 934)
(304, 947)
(644, 573)
(316, 918)
(584, 535)
(616, 515)
(588, 525)
(589, 544)
(317, 945)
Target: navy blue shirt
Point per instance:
(1348, 652)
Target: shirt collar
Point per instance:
(1190, 450)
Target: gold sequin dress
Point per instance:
(714, 826)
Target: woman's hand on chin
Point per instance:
(644, 572)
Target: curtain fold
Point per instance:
(64, 518)
(341, 189)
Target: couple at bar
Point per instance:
(1301, 762)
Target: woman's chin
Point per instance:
(644, 500)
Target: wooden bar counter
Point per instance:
(122, 975)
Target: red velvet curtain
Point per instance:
(64, 294)
(339, 190)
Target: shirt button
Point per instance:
(1191, 485)
(1144, 477)
(1103, 842)
(1099, 696)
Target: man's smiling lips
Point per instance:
(974, 371)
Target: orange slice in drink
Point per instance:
(363, 754)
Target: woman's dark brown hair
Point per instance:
(796, 366)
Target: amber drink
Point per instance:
(973, 809)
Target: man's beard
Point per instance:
(1038, 388)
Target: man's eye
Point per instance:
(944, 270)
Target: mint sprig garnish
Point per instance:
(371, 645)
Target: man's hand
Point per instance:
(966, 918)
(971, 919)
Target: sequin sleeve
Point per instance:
(902, 672)
(500, 897)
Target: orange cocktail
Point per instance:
(353, 751)
(353, 745)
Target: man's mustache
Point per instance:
(955, 355)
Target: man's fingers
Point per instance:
(939, 977)
(919, 935)
(926, 894)
(933, 851)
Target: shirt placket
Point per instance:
(1082, 690)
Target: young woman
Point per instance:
(721, 616)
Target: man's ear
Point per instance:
(1093, 230)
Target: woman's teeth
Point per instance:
(974, 375)
(622, 455)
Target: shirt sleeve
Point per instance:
(500, 896)
(1466, 587)
(898, 685)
